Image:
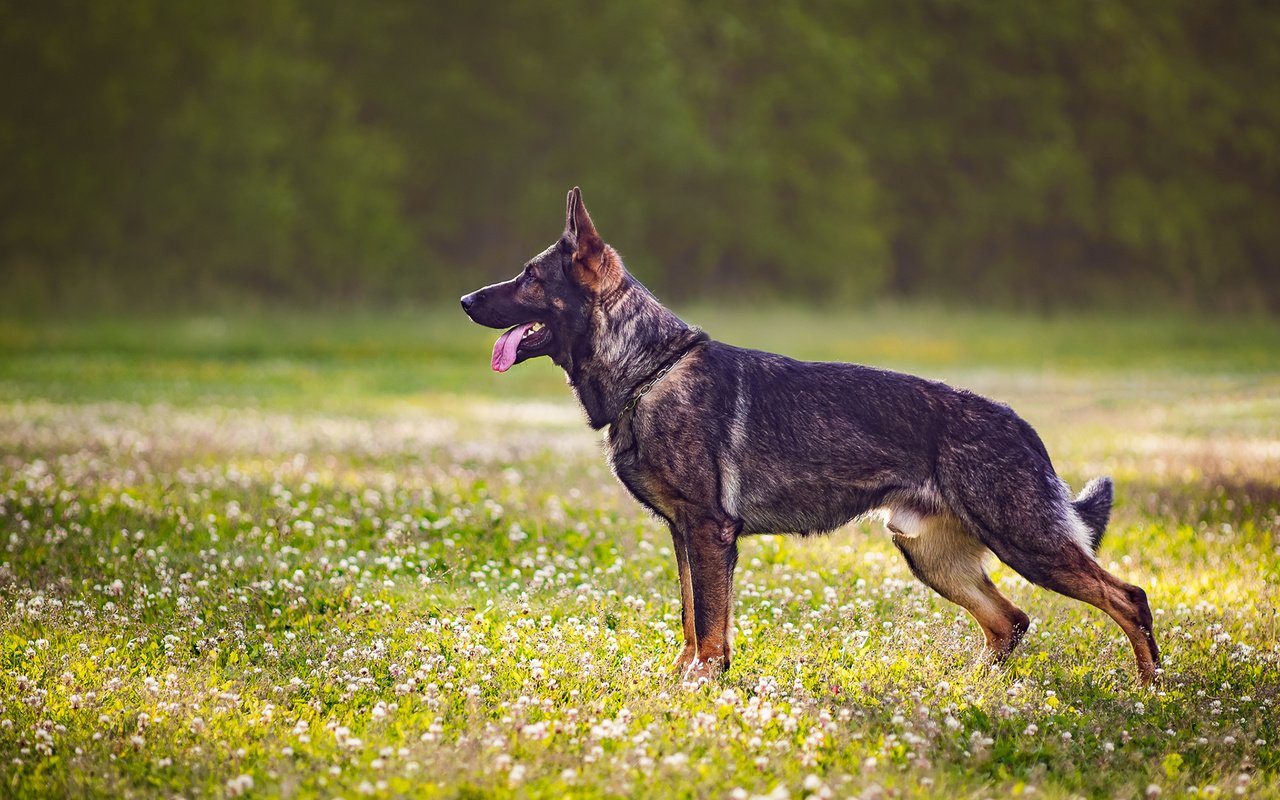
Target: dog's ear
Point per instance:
(577, 222)
(592, 266)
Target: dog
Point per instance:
(723, 442)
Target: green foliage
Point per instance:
(1050, 153)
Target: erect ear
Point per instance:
(592, 266)
(577, 222)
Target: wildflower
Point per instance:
(239, 785)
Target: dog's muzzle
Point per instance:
(469, 300)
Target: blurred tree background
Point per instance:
(175, 154)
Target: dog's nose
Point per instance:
(468, 300)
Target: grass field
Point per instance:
(307, 556)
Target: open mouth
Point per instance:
(521, 342)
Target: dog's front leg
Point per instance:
(712, 548)
(690, 651)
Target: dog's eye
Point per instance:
(529, 274)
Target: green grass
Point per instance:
(341, 557)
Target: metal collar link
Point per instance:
(657, 377)
(643, 390)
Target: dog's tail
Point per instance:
(1094, 507)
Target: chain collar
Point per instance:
(659, 375)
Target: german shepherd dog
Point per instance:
(723, 442)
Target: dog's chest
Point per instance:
(644, 483)
(624, 462)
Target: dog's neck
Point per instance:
(632, 337)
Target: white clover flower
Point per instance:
(239, 785)
(516, 775)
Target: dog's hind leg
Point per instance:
(1028, 521)
(950, 560)
(996, 476)
(1075, 573)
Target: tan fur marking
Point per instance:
(950, 560)
(1084, 579)
(690, 651)
(597, 267)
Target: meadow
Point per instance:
(311, 555)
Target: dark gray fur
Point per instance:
(735, 441)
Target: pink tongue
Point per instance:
(504, 350)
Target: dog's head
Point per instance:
(547, 306)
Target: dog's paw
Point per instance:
(687, 656)
(702, 671)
